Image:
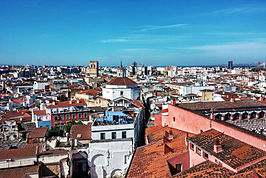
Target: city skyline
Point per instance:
(151, 33)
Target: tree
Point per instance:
(55, 131)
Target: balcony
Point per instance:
(76, 109)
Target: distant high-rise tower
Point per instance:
(133, 66)
(230, 65)
(94, 69)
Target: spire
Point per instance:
(121, 65)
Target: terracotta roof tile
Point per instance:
(39, 112)
(81, 132)
(90, 92)
(38, 132)
(235, 153)
(67, 104)
(28, 151)
(210, 169)
(151, 160)
(19, 171)
(121, 81)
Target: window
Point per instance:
(174, 119)
(68, 116)
(192, 146)
(56, 118)
(80, 115)
(125, 159)
(85, 115)
(113, 135)
(56, 124)
(115, 118)
(74, 116)
(102, 136)
(62, 123)
(62, 117)
(206, 155)
(178, 168)
(121, 93)
(199, 151)
(124, 134)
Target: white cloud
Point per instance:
(118, 40)
(158, 27)
(241, 10)
(232, 46)
(137, 50)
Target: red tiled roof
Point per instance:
(28, 151)
(83, 130)
(235, 153)
(90, 92)
(18, 171)
(38, 132)
(210, 169)
(67, 104)
(121, 81)
(151, 160)
(39, 112)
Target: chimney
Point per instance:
(217, 146)
(167, 149)
(174, 101)
(53, 102)
(232, 100)
(261, 99)
(70, 102)
(169, 135)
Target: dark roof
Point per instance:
(222, 105)
(81, 132)
(38, 132)
(121, 81)
(54, 152)
(235, 153)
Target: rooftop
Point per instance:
(28, 151)
(39, 112)
(80, 102)
(235, 153)
(38, 132)
(121, 81)
(151, 160)
(210, 169)
(81, 132)
(222, 105)
(19, 171)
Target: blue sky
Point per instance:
(151, 32)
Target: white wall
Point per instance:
(17, 162)
(108, 129)
(114, 91)
(109, 157)
(184, 90)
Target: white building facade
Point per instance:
(121, 87)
